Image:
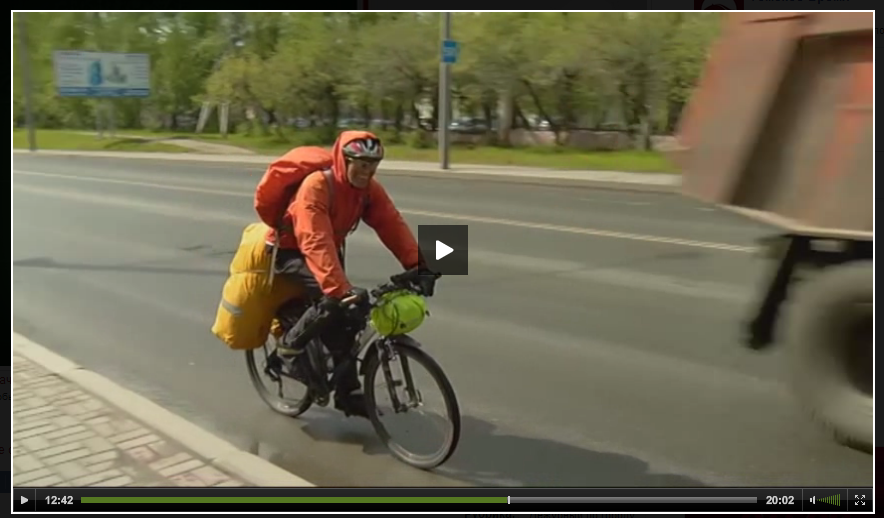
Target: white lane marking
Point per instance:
(616, 202)
(588, 231)
(152, 185)
(442, 215)
(576, 271)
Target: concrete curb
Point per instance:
(242, 464)
(517, 175)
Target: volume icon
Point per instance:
(831, 500)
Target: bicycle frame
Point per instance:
(366, 341)
(367, 344)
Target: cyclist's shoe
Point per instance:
(288, 353)
(352, 404)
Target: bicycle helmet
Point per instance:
(364, 149)
(398, 313)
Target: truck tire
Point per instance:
(830, 343)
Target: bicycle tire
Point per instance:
(271, 400)
(451, 405)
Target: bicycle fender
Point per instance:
(405, 340)
(369, 353)
(373, 348)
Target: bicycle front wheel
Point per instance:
(407, 399)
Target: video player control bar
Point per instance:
(453, 500)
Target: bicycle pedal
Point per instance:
(273, 375)
(271, 368)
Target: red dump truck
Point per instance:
(780, 130)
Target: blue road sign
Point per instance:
(449, 51)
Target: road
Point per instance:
(594, 342)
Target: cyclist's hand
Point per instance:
(426, 281)
(359, 294)
(329, 304)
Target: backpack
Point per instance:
(283, 178)
(280, 183)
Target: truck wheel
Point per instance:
(830, 341)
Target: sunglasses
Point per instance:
(366, 163)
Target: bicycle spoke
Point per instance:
(418, 446)
(272, 369)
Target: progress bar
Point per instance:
(633, 499)
(761, 500)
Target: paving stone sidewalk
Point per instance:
(64, 436)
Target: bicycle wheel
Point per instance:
(259, 361)
(408, 355)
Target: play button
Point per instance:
(442, 250)
(23, 499)
(444, 247)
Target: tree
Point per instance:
(571, 70)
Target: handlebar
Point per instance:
(408, 280)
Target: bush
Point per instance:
(420, 139)
(243, 128)
(389, 137)
(318, 136)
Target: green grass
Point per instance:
(72, 140)
(540, 156)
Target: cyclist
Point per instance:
(322, 213)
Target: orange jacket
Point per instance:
(319, 235)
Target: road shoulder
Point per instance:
(74, 427)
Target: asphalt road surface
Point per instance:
(594, 342)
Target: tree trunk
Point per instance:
(505, 117)
(398, 117)
(543, 113)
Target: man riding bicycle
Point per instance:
(325, 208)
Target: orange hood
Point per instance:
(340, 166)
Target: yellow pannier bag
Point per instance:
(246, 313)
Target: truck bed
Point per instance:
(780, 127)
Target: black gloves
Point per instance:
(360, 293)
(335, 306)
(427, 281)
(333, 303)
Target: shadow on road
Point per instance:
(484, 458)
(52, 264)
(488, 459)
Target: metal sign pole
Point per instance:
(444, 96)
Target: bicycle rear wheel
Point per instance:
(264, 359)
(409, 356)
